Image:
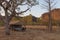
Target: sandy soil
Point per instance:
(29, 34)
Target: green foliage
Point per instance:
(28, 21)
(1, 23)
(57, 23)
(15, 19)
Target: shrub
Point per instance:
(1, 23)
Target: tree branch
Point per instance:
(0, 14)
(2, 18)
(23, 11)
(14, 14)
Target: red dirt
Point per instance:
(29, 34)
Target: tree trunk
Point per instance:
(50, 26)
(7, 26)
(50, 17)
(50, 22)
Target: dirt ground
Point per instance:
(29, 34)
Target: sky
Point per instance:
(37, 10)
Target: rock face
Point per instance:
(55, 14)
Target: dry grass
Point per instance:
(29, 34)
(40, 27)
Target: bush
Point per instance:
(1, 23)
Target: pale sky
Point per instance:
(36, 10)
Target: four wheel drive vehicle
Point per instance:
(16, 27)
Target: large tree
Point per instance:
(49, 5)
(10, 6)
